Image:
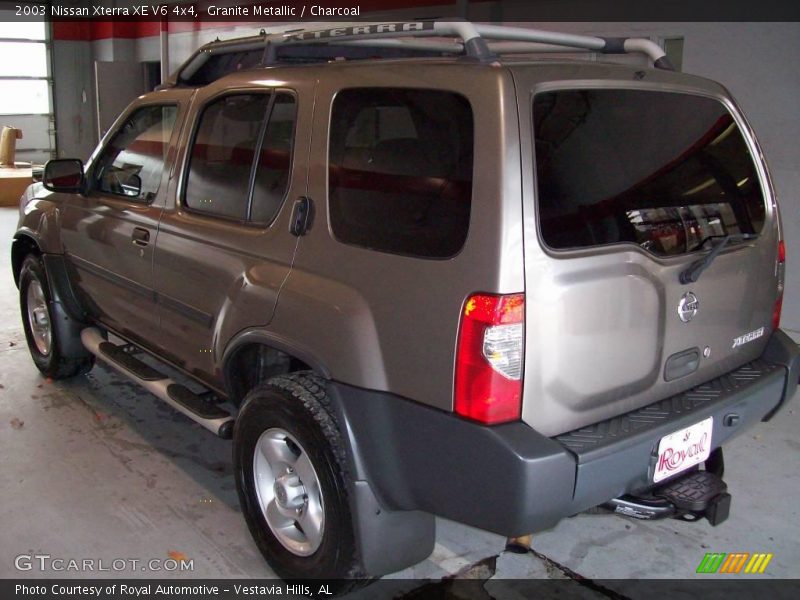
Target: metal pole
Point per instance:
(164, 50)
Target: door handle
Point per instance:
(301, 216)
(140, 237)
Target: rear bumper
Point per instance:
(511, 480)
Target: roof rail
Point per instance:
(475, 41)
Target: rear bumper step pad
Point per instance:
(690, 497)
(589, 442)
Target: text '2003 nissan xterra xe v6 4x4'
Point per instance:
(418, 275)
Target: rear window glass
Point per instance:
(222, 155)
(239, 168)
(661, 170)
(400, 170)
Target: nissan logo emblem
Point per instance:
(687, 307)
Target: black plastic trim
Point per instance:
(693, 491)
(266, 338)
(61, 286)
(412, 534)
(681, 364)
(116, 354)
(512, 480)
(112, 277)
(589, 442)
(197, 404)
(478, 48)
(198, 316)
(664, 64)
(418, 458)
(69, 316)
(191, 313)
(782, 350)
(614, 45)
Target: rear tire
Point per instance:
(292, 481)
(43, 339)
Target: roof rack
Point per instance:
(390, 40)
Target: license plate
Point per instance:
(683, 449)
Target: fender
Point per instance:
(40, 226)
(68, 315)
(69, 318)
(782, 350)
(260, 336)
(411, 533)
(40, 219)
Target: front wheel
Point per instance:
(37, 319)
(292, 481)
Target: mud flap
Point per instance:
(389, 541)
(66, 311)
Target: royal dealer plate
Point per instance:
(683, 449)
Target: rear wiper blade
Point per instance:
(692, 273)
(734, 237)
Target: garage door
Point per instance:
(26, 86)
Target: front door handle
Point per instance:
(140, 237)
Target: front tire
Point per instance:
(292, 480)
(38, 317)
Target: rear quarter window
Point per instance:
(400, 170)
(661, 170)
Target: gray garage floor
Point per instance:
(95, 468)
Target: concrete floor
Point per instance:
(95, 468)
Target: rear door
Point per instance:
(628, 185)
(224, 247)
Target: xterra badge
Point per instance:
(747, 337)
(688, 306)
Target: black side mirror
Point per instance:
(64, 175)
(132, 186)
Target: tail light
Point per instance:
(488, 378)
(776, 314)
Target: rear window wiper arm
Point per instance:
(692, 273)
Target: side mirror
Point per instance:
(64, 175)
(132, 185)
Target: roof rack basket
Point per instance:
(471, 40)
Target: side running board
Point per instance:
(197, 407)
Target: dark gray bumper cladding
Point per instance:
(409, 459)
(781, 350)
(506, 479)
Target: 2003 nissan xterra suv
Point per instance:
(419, 273)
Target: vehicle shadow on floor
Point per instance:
(132, 421)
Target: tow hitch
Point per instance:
(690, 497)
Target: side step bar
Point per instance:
(199, 409)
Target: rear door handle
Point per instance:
(301, 216)
(140, 237)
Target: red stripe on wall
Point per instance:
(132, 28)
(89, 31)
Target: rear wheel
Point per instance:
(292, 481)
(37, 321)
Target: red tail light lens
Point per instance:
(776, 313)
(488, 378)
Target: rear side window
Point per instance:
(400, 170)
(275, 159)
(240, 162)
(661, 170)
